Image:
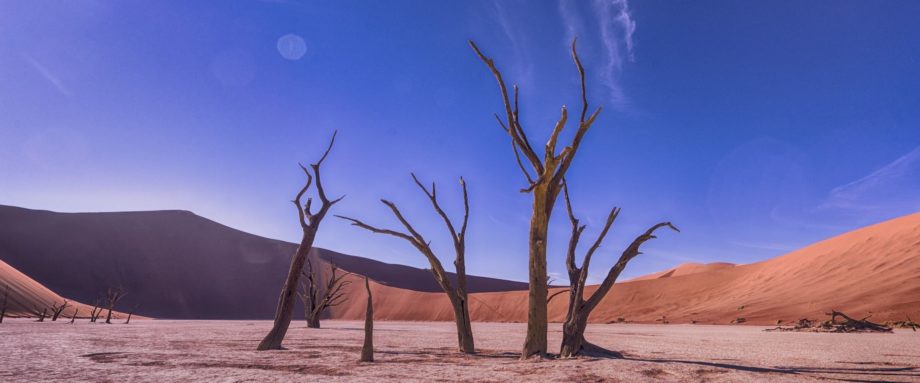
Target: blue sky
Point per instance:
(756, 127)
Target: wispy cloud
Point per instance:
(894, 185)
(47, 74)
(518, 40)
(616, 28)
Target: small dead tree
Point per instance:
(96, 311)
(576, 318)
(112, 298)
(40, 314)
(316, 300)
(544, 186)
(309, 223)
(131, 313)
(57, 310)
(6, 299)
(74, 317)
(457, 296)
(367, 350)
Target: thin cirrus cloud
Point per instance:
(47, 74)
(891, 188)
(616, 27)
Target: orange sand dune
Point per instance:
(874, 270)
(685, 269)
(26, 295)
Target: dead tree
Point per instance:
(457, 296)
(576, 318)
(131, 313)
(316, 301)
(93, 315)
(57, 310)
(309, 223)
(74, 317)
(544, 185)
(367, 350)
(112, 298)
(6, 299)
(40, 314)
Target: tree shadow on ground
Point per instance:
(860, 372)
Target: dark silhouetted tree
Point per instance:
(576, 318)
(544, 185)
(316, 296)
(309, 223)
(457, 295)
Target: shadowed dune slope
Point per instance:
(874, 270)
(174, 264)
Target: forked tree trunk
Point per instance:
(309, 224)
(579, 309)
(545, 186)
(457, 296)
(367, 350)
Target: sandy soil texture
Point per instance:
(223, 351)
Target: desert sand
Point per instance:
(27, 295)
(157, 350)
(871, 271)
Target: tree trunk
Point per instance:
(464, 329)
(74, 317)
(129, 318)
(41, 317)
(367, 351)
(535, 342)
(313, 321)
(285, 311)
(573, 334)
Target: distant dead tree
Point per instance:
(97, 310)
(74, 317)
(457, 296)
(112, 297)
(367, 350)
(316, 299)
(576, 318)
(6, 299)
(57, 310)
(131, 313)
(309, 223)
(544, 185)
(40, 314)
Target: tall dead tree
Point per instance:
(309, 223)
(6, 299)
(111, 298)
(317, 297)
(57, 310)
(544, 185)
(576, 318)
(456, 295)
(367, 350)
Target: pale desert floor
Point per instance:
(223, 351)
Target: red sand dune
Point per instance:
(27, 295)
(874, 270)
(179, 265)
(685, 269)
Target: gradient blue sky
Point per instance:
(756, 127)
